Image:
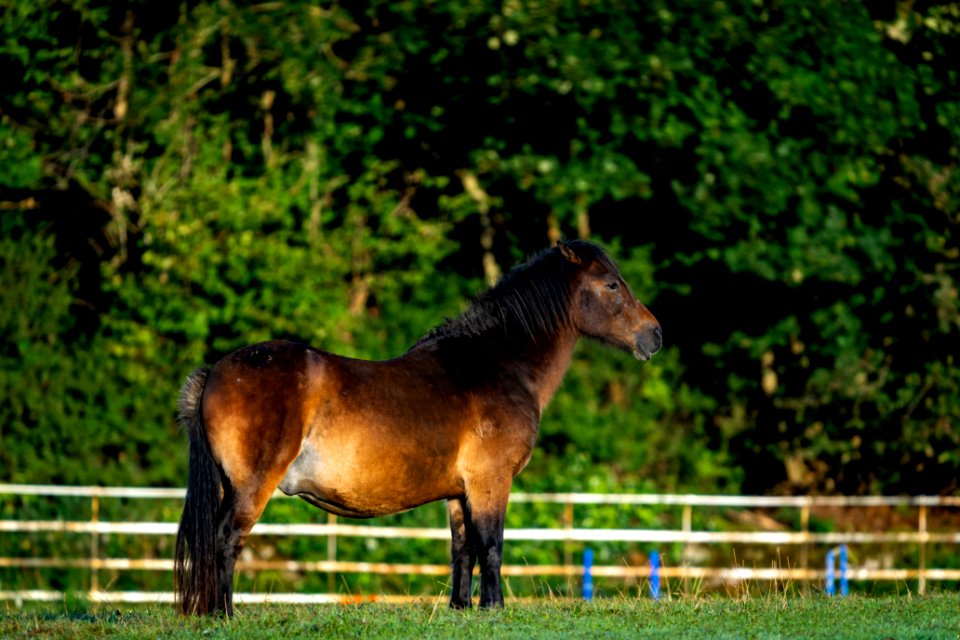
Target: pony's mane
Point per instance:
(531, 300)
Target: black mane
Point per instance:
(532, 300)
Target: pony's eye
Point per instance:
(613, 286)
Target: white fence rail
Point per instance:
(567, 533)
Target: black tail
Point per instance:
(195, 566)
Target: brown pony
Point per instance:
(454, 418)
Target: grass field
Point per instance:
(900, 618)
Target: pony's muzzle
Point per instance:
(648, 342)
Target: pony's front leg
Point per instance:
(490, 534)
(487, 510)
(463, 553)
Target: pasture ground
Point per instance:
(874, 618)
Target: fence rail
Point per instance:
(537, 535)
(664, 499)
(566, 533)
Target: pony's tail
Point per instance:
(195, 564)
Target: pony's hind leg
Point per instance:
(228, 550)
(236, 519)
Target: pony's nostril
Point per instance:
(657, 340)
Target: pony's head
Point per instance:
(602, 304)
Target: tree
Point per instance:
(777, 179)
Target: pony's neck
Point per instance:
(551, 365)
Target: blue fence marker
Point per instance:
(844, 584)
(655, 575)
(831, 566)
(587, 575)
(832, 555)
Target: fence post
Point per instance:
(331, 554)
(922, 531)
(805, 547)
(94, 542)
(687, 526)
(567, 543)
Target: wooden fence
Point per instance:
(565, 532)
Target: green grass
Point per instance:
(854, 617)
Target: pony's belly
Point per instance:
(362, 486)
(329, 502)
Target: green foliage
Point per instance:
(65, 412)
(778, 180)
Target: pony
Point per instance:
(454, 418)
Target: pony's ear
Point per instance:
(568, 252)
